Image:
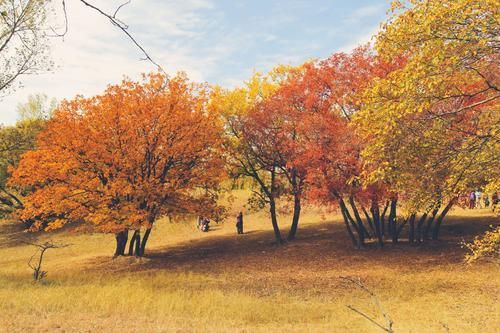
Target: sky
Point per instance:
(218, 41)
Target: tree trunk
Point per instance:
(361, 226)
(392, 220)
(369, 219)
(347, 223)
(435, 231)
(399, 229)
(419, 227)
(274, 221)
(121, 242)
(428, 226)
(359, 241)
(133, 240)
(382, 219)
(140, 247)
(376, 221)
(348, 215)
(296, 216)
(411, 232)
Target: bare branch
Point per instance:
(38, 273)
(57, 34)
(120, 7)
(367, 317)
(357, 282)
(123, 27)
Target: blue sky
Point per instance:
(219, 41)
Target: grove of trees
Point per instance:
(391, 135)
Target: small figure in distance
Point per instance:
(205, 224)
(486, 200)
(494, 200)
(479, 202)
(472, 200)
(239, 223)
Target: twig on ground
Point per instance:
(389, 322)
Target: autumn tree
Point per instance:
(329, 95)
(121, 160)
(273, 128)
(435, 119)
(254, 140)
(17, 139)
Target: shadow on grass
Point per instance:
(319, 246)
(14, 234)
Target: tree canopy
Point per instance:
(120, 160)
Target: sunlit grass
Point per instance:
(219, 282)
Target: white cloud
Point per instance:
(365, 12)
(208, 39)
(94, 53)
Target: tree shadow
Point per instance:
(14, 234)
(326, 243)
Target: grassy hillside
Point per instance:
(221, 282)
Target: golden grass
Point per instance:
(219, 282)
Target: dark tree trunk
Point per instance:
(121, 242)
(133, 241)
(428, 226)
(437, 227)
(347, 223)
(296, 216)
(369, 219)
(382, 219)
(392, 220)
(399, 229)
(419, 227)
(361, 226)
(348, 215)
(139, 250)
(376, 221)
(352, 223)
(411, 232)
(274, 221)
(140, 247)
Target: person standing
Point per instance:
(479, 202)
(494, 200)
(239, 223)
(472, 200)
(486, 200)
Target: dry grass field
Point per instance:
(223, 282)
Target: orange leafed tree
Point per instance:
(120, 160)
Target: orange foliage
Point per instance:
(121, 159)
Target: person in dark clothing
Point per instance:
(205, 225)
(494, 200)
(239, 223)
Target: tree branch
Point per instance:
(124, 28)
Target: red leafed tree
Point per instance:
(122, 159)
(333, 93)
(275, 123)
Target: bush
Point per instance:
(486, 247)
